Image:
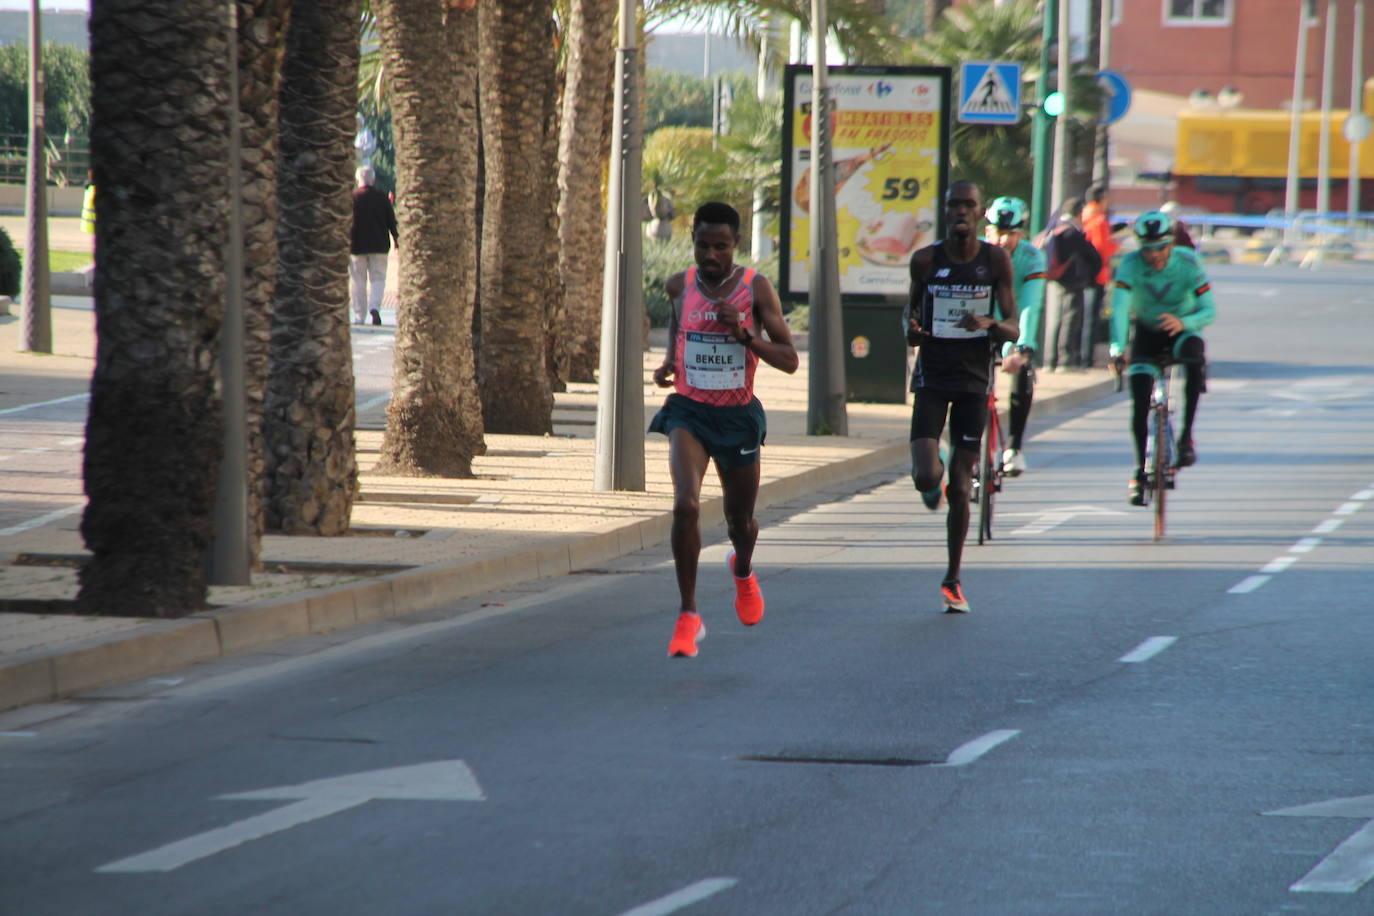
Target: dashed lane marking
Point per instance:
(692, 893)
(1148, 649)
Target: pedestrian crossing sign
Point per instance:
(989, 92)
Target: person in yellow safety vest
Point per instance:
(88, 205)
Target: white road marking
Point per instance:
(18, 734)
(75, 397)
(1328, 526)
(1348, 509)
(689, 895)
(1058, 516)
(1148, 649)
(1247, 585)
(439, 780)
(1363, 495)
(75, 440)
(42, 520)
(374, 402)
(1350, 865)
(967, 753)
(1305, 545)
(1278, 565)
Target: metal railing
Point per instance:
(68, 163)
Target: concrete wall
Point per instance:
(61, 201)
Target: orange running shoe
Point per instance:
(748, 597)
(689, 629)
(953, 596)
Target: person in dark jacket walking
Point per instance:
(374, 229)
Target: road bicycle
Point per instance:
(990, 472)
(1161, 462)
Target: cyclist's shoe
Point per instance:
(1135, 492)
(1187, 455)
(688, 631)
(748, 597)
(952, 594)
(1014, 463)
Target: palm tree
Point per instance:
(311, 458)
(999, 158)
(519, 260)
(161, 107)
(589, 52)
(434, 421)
(262, 45)
(864, 33)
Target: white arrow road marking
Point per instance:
(967, 753)
(1054, 517)
(689, 895)
(441, 780)
(1350, 864)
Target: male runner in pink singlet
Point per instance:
(715, 340)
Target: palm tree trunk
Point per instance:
(590, 53)
(519, 272)
(159, 144)
(434, 421)
(312, 469)
(262, 45)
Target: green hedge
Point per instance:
(11, 271)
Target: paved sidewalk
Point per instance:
(417, 543)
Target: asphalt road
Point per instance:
(1112, 730)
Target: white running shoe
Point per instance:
(1013, 462)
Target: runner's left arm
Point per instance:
(1007, 328)
(776, 349)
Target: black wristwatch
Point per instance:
(748, 336)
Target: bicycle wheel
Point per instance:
(987, 479)
(1160, 464)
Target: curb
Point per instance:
(41, 676)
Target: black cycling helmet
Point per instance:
(1154, 229)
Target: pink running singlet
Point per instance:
(713, 367)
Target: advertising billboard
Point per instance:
(890, 144)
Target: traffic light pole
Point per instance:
(1040, 127)
(825, 409)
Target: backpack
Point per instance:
(1073, 261)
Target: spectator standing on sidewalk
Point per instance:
(1181, 237)
(88, 205)
(720, 311)
(1097, 226)
(1074, 264)
(374, 229)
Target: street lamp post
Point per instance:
(825, 410)
(37, 294)
(620, 392)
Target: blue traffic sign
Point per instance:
(1118, 100)
(989, 92)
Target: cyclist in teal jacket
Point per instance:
(1163, 292)
(1007, 217)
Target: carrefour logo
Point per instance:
(880, 88)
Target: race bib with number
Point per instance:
(949, 306)
(714, 361)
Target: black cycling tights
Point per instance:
(1022, 393)
(1192, 355)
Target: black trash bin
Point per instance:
(875, 352)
